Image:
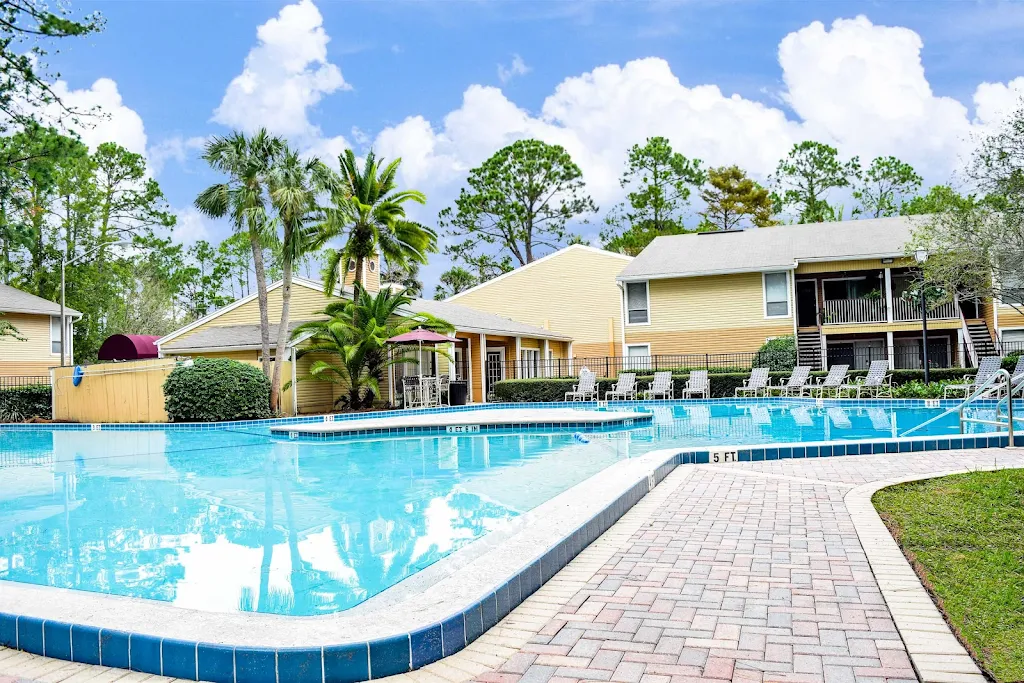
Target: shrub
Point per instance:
(723, 384)
(216, 389)
(22, 403)
(778, 354)
(918, 389)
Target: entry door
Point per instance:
(807, 303)
(495, 368)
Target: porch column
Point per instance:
(888, 301)
(890, 345)
(544, 361)
(483, 369)
(517, 372)
(468, 360)
(572, 370)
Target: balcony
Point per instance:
(865, 310)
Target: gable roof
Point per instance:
(14, 300)
(244, 337)
(552, 255)
(775, 248)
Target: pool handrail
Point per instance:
(985, 386)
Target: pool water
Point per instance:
(234, 519)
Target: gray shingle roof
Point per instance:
(760, 249)
(13, 300)
(469, 319)
(224, 337)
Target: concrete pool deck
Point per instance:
(751, 572)
(470, 421)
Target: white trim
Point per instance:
(764, 295)
(728, 271)
(890, 347)
(483, 367)
(647, 300)
(60, 324)
(301, 281)
(295, 383)
(888, 297)
(542, 259)
(855, 257)
(646, 345)
(546, 361)
(519, 357)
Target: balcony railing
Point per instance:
(840, 311)
(844, 311)
(908, 309)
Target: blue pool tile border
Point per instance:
(361, 661)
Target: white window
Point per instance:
(776, 295)
(636, 303)
(55, 334)
(638, 356)
(530, 363)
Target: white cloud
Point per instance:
(191, 226)
(106, 119)
(178, 148)
(856, 85)
(285, 74)
(516, 68)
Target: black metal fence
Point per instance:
(23, 381)
(905, 357)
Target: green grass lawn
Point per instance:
(965, 536)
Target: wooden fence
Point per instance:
(123, 392)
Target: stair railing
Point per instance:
(972, 353)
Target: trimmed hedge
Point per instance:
(723, 385)
(23, 403)
(215, 390)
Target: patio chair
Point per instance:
(412, 396)
(833, 383)
(1016, 378)
(877, 383)
(756, 384)
(796, 384)
(697, 385)
(444, 389)
(988, 366)
(430, 390)
(624, 389)
(585, 389)
(660, 387)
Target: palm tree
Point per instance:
(370, 214)
(294, 184)
(356, 334)
(247, 162)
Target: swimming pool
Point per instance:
(234, 519)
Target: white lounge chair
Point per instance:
(697, 385)
(833, 383)
(877, 383)
(585, 389)
(1016, 377)
(756, 384)
(660, 387)
(796, 384)
(624, 389)
(988, 366)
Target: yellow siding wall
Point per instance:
(32, 356)
(304, 305)
(1009, 317)
(860, 264)
(723, 313)
(573, 293)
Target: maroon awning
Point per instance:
(129, 347)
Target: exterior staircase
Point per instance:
(808, 349)
(981, 340)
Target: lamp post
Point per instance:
(921, 255)
(64, 263)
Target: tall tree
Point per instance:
(805, 177)
(368, 212)
(247, 162)
(884, 186)
(129, 201)
(659, 182)
(733, 200)
(454, 280)
(517, 202)
(26, 29)
(938, 199)
(294, 186)
(976, 248)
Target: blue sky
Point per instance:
(435, 82)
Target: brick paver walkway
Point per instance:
(747, 572)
